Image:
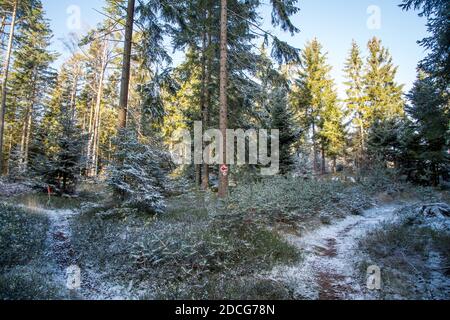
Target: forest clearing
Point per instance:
(192, 150)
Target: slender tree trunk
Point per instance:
(4, 82)
(26, 131)
(223, 119)
(125, 81)
(205, 181)
(315, 151)
(2, 29)
(93, 141)
(324, 165)
(73, 96)
(24, 146)
(96, 145)
(334, 165)
(198, 168)
(361, 151)
(10, 147)
(90, 132)
(198, 175)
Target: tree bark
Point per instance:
(125, 81)
(315, 152)
(323, 166)
(73, 95)
(93, 140)
(2, 29)
(26, 130)
(5, 80)
(205, 180)
(198, 175)
(223, 179)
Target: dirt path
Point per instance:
(327, 269)
(61, 255)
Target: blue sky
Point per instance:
(334, 23)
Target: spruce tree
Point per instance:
(57, 146)
(32, 78)
(429, 111)
(354, 67)
(382, 95)
(314, 99)
(283, 120)
(437, 12)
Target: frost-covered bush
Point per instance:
(296, 196)
(22, 236)
(138, 174)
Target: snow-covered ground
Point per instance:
(327, 270)
(330, 267)
(61, 255)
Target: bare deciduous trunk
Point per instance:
(223, 179)
(4, 82)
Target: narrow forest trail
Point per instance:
(60, 255)
(59, 249)
(327, 270)
(59, 252)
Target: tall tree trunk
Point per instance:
(2, 29)
(24, 146)
(205, 181)
(73, 96)
(223, 119)
(26, 130)
(324, 165)
(125, 81)
(315, 151)
(334, 164)
(198, 175)
(93, 141)
(5, 80)
(198, 168)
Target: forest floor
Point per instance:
(319, 250)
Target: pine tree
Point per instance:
(57, 146)
(332, 133)
(282, 119)
(355, 100)
(313, 96)
(382, 95)
(32, 77)
(5, 76)
(429, 111)
(139, 173)
(430, 97)
(437, 12)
